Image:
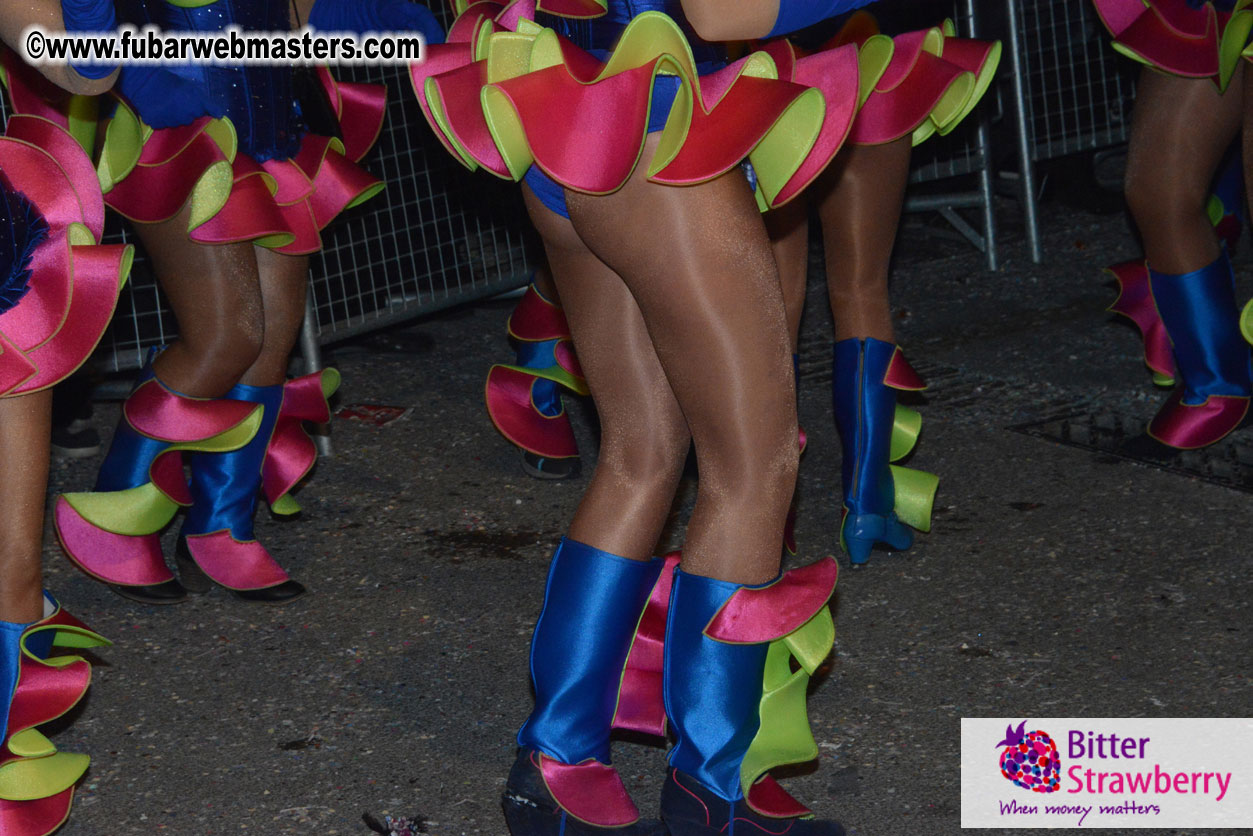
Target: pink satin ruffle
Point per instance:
(590, 791)
(128, 560)
(1168, 34)
(641, 706)
(73, 286)
(753, 615)
(1188, 427)
(235, 564)
(1135, 301)
(291, 454)
(512, 410)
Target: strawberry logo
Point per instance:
(1030, 759)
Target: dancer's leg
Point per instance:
(216, 296)
(284, 282)
(697, 261)
(644, 438)
(788, 227)
(24, 437)
(1179, 132)
(860, 196)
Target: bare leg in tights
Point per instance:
(1179, 132)
(788, 227)
(859, 198)
(216, 295)
(697, 262)
(644, 439)
(239, 310)
(25, 430)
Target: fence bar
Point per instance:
(1025, 162)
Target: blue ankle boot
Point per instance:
(738, 661)
(880, 499)
(596, 665)
(1200, 315)
(216, 543)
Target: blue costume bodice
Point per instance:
(597, 35)
(259, 100)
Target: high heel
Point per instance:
(737, 663)
(216, 544)
(880, 498)
(596, 663)
(1198, 310)
(112, 533)
(524, 399)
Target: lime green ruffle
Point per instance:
(784, 736)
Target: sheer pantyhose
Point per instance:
(697, 262)
(859, 199)
(644, 439)
(1180, 130)
(788, 227)
(25, 430)
(239, 309)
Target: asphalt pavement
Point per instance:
(1057, 580)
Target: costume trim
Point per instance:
(72, 282)
(504, 100)
(1177, 38)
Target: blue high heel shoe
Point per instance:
(881, 500)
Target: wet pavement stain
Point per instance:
(485, 543)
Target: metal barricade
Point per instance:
(439, 235)
(436, 236)
(1073, 93)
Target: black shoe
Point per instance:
(542, 467)
(170, 592)
(689, 809)
(530, 809)
(198, 583)
(68, 443)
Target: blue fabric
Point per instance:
(544, 392)
(712, 689)
(163, 99)
(592, 604)
(797, 14)
(10, 661)
(865, 410)
(22, 230)
(376, 16)
(130, 454)
(1200, 314)
(548, 190)
(89, 16)
(225, 486)
(259, 100)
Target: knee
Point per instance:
(767, 467)
(647, 459)
(230, 348)
(1157, 202)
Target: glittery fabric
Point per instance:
(259, 100)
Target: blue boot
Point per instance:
(216, 543)
(597, 611)
(1200, 315)
(738, 660)
(113, 532)
(879, 498)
